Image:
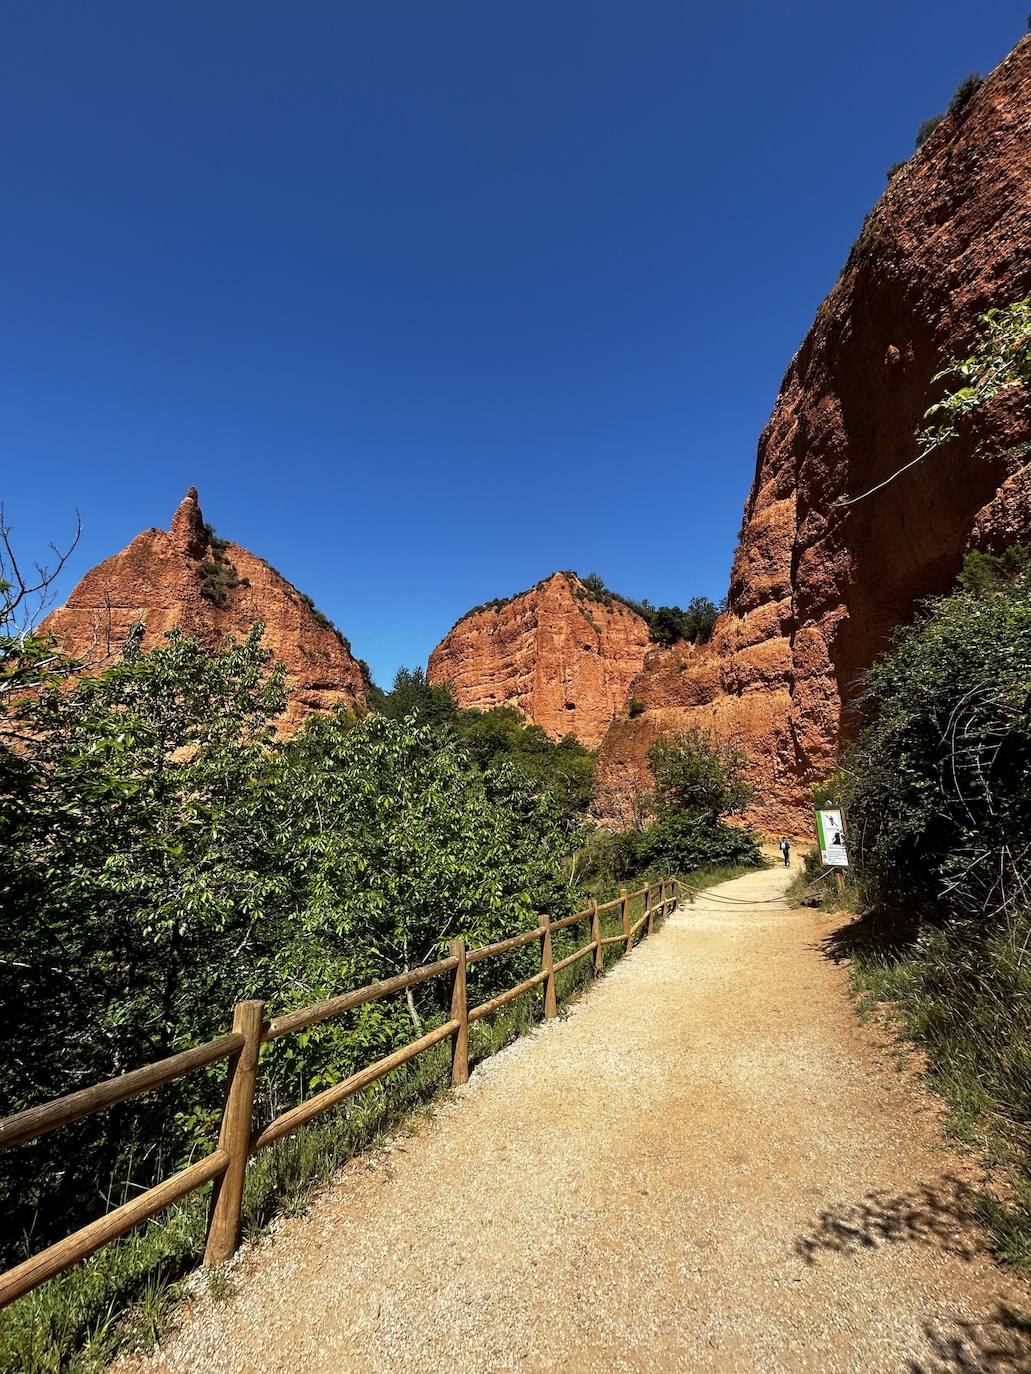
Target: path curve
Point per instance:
(708, 1165)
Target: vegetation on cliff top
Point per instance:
(666, 624)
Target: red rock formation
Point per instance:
(159, 579)
(816, 587)
(558, 653)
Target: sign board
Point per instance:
(830, 831)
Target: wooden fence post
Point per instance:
(599, 953)
(649, 908)
(235, 1135)
(459, 1013)
(628, 937)
(547, 965)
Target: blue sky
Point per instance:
(431, 299)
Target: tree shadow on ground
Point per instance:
(887, 933)
(942, 1215)
(997, 1344)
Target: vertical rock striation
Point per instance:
(818, 587)
(560, 654)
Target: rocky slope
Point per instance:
(817, 587)
(560, 654)
(167, 581)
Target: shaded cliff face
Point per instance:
(817, 588)
(560, 655)
(159, 579)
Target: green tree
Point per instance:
(135, 884)
(699, 775)
(413, 695)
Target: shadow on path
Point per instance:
(998, 1344)
(942, 1215)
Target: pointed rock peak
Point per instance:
(188, 533)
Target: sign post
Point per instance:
(830, 831)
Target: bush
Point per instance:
(938, 801)
(926, 129)
(940, 818)
(218, 575)
(635, 707)
(965, 92)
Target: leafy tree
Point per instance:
(413, 695)
(162, 856)
(135, 882)
(667, 624)
(565, 768)
(699, 775)
(401, 845)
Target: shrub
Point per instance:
(926, 129)
(965, 92)
(218, 575)
(940, 820)
(937, 792)
(635, 707)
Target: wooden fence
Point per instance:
(226, 1166)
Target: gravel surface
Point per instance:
(709, 1164)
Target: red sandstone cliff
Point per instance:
(817, 588)
(560, 654)
(159, 579)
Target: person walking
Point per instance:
(785, 849)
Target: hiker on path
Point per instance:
(785, 848)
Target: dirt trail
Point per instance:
(709, 1165)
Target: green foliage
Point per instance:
(1001, 362)
(926, 129)
(218, 575)
(699, 781)
(965, 92)
(937, 796)
(940, 823)
(984, 573)
(135, 890)
(413, 695)
(700, 776)
(666, 624)
(564, 768)
(635, 707)
(162, 856)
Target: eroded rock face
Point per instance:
(559, 654)
(159, 579)
(817, 588)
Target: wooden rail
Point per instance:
(225, 1168)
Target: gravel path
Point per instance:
(708, 1165)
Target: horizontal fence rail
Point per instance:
(225, 1168)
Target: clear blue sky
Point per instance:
(431, 299)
